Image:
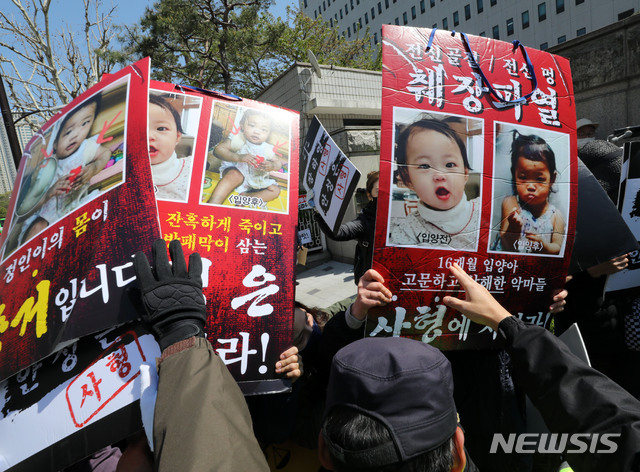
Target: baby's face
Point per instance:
(533, 181)
(256, 129)
(74, 131)
(436, 169)
(163, 134)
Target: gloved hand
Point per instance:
(172, 297)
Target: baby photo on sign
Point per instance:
(71, 163)
(248, 158)
(436, 185)
(531, 191)
(173, 127)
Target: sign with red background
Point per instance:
(246, 233)
(66, 251)
(451, 156)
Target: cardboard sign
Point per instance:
(82, 205)
(485, 179)
(329, 177)
(629, 205)
(74, 402)
(228, 189)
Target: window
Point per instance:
(483, 34)
(496, 32)
(373, 13)
(562, 39)
(349, 31)
(379, 7)
(578, 2)
(456, 19)
(434, 26)
(432, 3)
(413, 13)
(324, 6)
(525, 19)
(625, 14)
(445, 24)
(375, 37)
(559, 6)
(354, 27)
(386, 4)
(315, 15)
(467, 12)
(509, 26)
(331, 22)
(346, 9)
(396, 21)
(542, 11)
(581, 31)
(544, 46)
(352, 4)
(493, 3)
(305, 3)
(359, 23)
(341, 13)
(480, 6)
(423, 8)
(405, 19)
(366, 18)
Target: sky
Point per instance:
(70, 12)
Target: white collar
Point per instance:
(166, 171)
(451, 221)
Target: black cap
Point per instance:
(406, 385)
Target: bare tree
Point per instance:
(45, 68)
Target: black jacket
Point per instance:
(572, 397)
(363, 229)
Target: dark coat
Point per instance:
(363, 229)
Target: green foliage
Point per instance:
(4, 203)
(236, 46)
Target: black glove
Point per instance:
(172, 297)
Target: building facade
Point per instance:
(347, 103)
(535, 23)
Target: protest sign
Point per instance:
(329, 177)
(82, 205)
(75, 401)
(629, 205)
(597, 243)
(477, 167)
(237, 207)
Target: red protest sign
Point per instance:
(82, 205)
(478, 166)
(228, 189)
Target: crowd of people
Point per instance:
(390, 404)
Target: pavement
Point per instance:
(325, 284)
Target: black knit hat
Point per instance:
(604, 160)
(406, 385)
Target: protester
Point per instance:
(387, 409)
(201, 419)
(362, 229)
(586, 131)
(486, 398)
